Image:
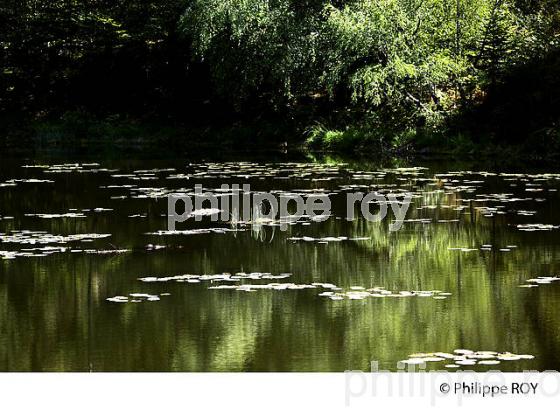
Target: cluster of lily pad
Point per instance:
(50, 244)
(14, 182)
(327, 239)
(536, 227)
(332, 291)
(5, 255)
(198, 231)
(136, 298)
(223, 277)
(541, 280)
(485, 247)
(72, 213)
(246, 170)
(273, 286)
(66, 168)
(50, 250)
(465, 357)
(494, 204)
(360, 293)
(58, 216)
(42, 237)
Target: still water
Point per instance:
(74, 234)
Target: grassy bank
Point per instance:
(446, 141)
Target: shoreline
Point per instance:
(36, 137)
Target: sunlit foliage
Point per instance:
(409, 59)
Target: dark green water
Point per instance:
(54, 315)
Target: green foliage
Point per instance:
(408, 61)
(364, 138)
(255, 47)
(375, 70)
(59, 53)
(386, 55)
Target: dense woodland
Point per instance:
(338, 74)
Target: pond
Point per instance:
(87, 284)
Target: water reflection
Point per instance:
(476, 235)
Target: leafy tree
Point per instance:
(404, 64)
(72, 53)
